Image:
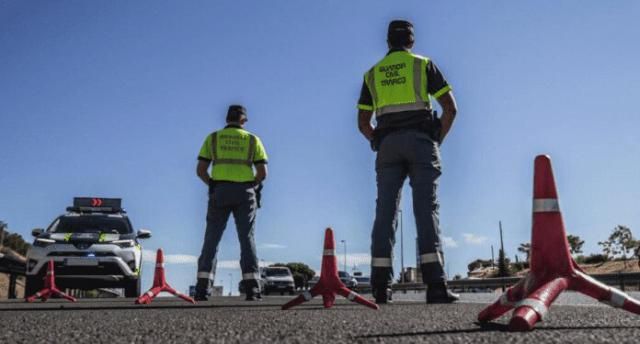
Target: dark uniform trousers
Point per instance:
(402, 153)
(227, 198)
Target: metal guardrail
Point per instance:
(13, 267)
(619, 279)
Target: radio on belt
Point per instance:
(96, 204)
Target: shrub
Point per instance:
(595, 259)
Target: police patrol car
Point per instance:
(93, 246)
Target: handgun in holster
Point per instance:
(433, 127)
(375, 141)
(258, 189)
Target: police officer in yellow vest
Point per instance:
(234, 152)
(398, 89)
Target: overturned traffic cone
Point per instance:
(329, 284)
(160, 284)
(552, 270)
(50, 288)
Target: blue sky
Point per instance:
(114, 99)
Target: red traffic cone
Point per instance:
(50, 288)
(329, 284)
(160, 284)
(552, 268)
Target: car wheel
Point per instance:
(282, 293)
(33, 285)
(291, 292)
(132, 288)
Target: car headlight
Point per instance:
(42, 242)
(124, 243)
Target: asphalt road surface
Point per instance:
(232, 320)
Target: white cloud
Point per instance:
(235, 264)
(353, 259)
(149, 256)
(474, 239)
(228, 264)
(272, 246)
(449, 242)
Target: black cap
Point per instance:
(400, 27)
(235, 113)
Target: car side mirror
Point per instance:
(37, 231)
(144, 234)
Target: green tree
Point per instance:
(619, 243)
(503, 264)
(301, 273)
(525, 248)
(15, 242)
(575, 244)
(478, 263)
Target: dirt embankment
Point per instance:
(4, 286)
(4, 278)
(630, 265)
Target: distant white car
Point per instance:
(278, 279)
(347, 279)
(363, 281)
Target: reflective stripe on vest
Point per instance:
(251, 151)
(395, 88)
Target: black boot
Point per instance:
(383, 295)
(202, 289)
(252, 290)
(439, 293)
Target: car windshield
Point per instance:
(278, 272)
(343, 274)
(91, 224)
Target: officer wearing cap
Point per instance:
(399, 89)
(234, 153)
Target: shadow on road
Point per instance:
(483, 328)
(491, 327)
(71, 307)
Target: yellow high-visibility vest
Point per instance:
(398, 83)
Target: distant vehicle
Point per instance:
(278, 279)
(348, 281)
(92, 246)
(363, 281)
(313, 281)
(274, 279)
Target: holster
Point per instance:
(258, 189)
(375, 142)
(433, 127)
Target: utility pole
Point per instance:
(231, 284)
(401, 249)
(502, 262)
(345, 255)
